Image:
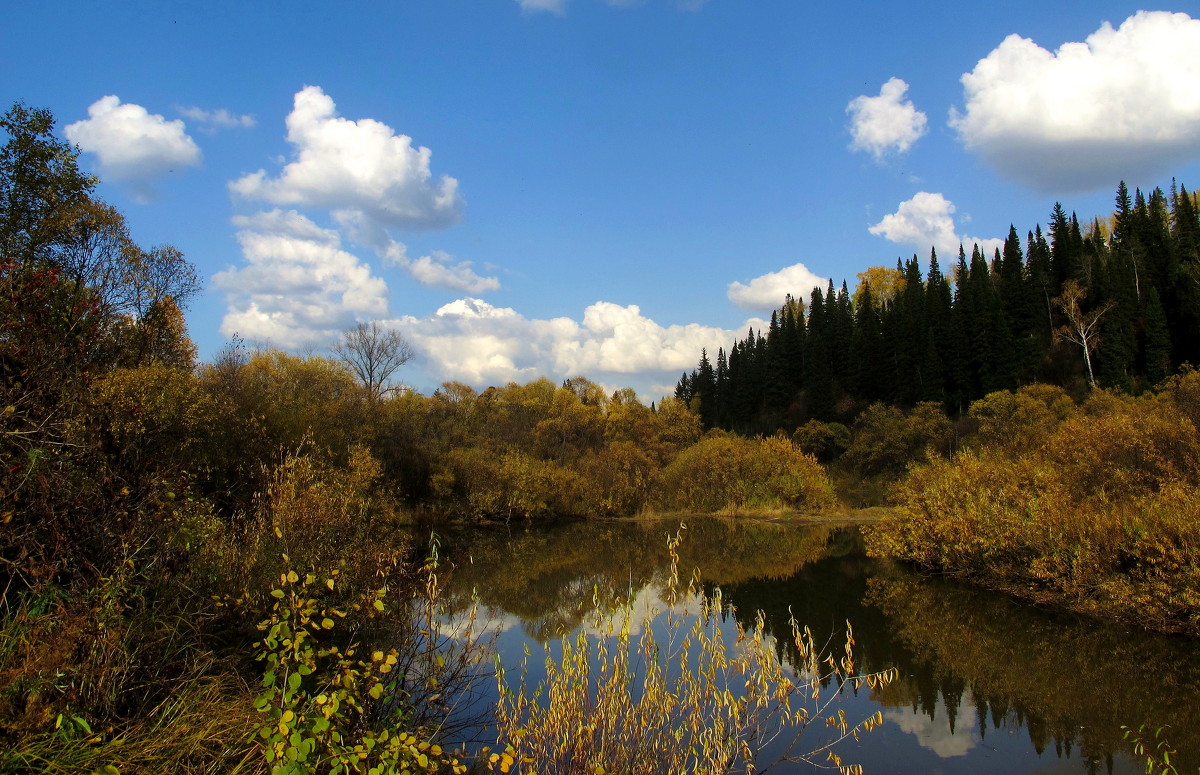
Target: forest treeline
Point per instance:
(1033, 418)
(1115, 302)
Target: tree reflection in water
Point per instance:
(979, 671)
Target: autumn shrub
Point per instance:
(1101, 517)
(1021, 420)
(485, 484)
(616, 481)
(118, 674)
(727, 473)
(823, 440)
(334, 707)
(795, 477)
(318, 514)
(885, 440)
(271, 404)
(677, 699)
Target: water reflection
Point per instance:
(988, 685)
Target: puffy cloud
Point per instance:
(885, 123)
(298, 287)
(1123, 104)
(472, 341)
(927, 221)
(212, 120)
(371, 178)
(133, 146)
(440, 269)
(768, 292)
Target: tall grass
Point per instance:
(688, 701)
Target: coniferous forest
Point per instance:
(1114, 302)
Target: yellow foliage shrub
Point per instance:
(727, 473)
(1020, 421)
(1104, 516)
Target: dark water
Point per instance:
(987, 684)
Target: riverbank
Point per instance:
(1097, 513)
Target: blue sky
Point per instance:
(562, 187)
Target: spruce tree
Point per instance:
(1156, 347)
(818, 372)
(939, 340)
(867, 350)
(704, 388)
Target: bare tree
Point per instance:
(373, 352)
(1082, 328)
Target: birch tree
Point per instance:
(1082, 328)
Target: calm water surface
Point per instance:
(987, 684)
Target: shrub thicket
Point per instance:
(1102, 516)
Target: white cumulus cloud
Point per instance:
(887, 123)
(298, 286)
(1124, 104)
(440, 269)
(472, 341)
(768, 292)
(367, 175)
(927, 220)
(133, 146)
(212, 120)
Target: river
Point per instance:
(986, 684)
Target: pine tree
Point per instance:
(818, 372)
(939, 340)
(778, 392)
(1156, 347)
(867, 350)
(704, 389)
(909, 346)
(1184, 314)
(723, 398)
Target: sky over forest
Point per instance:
(531, 188)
